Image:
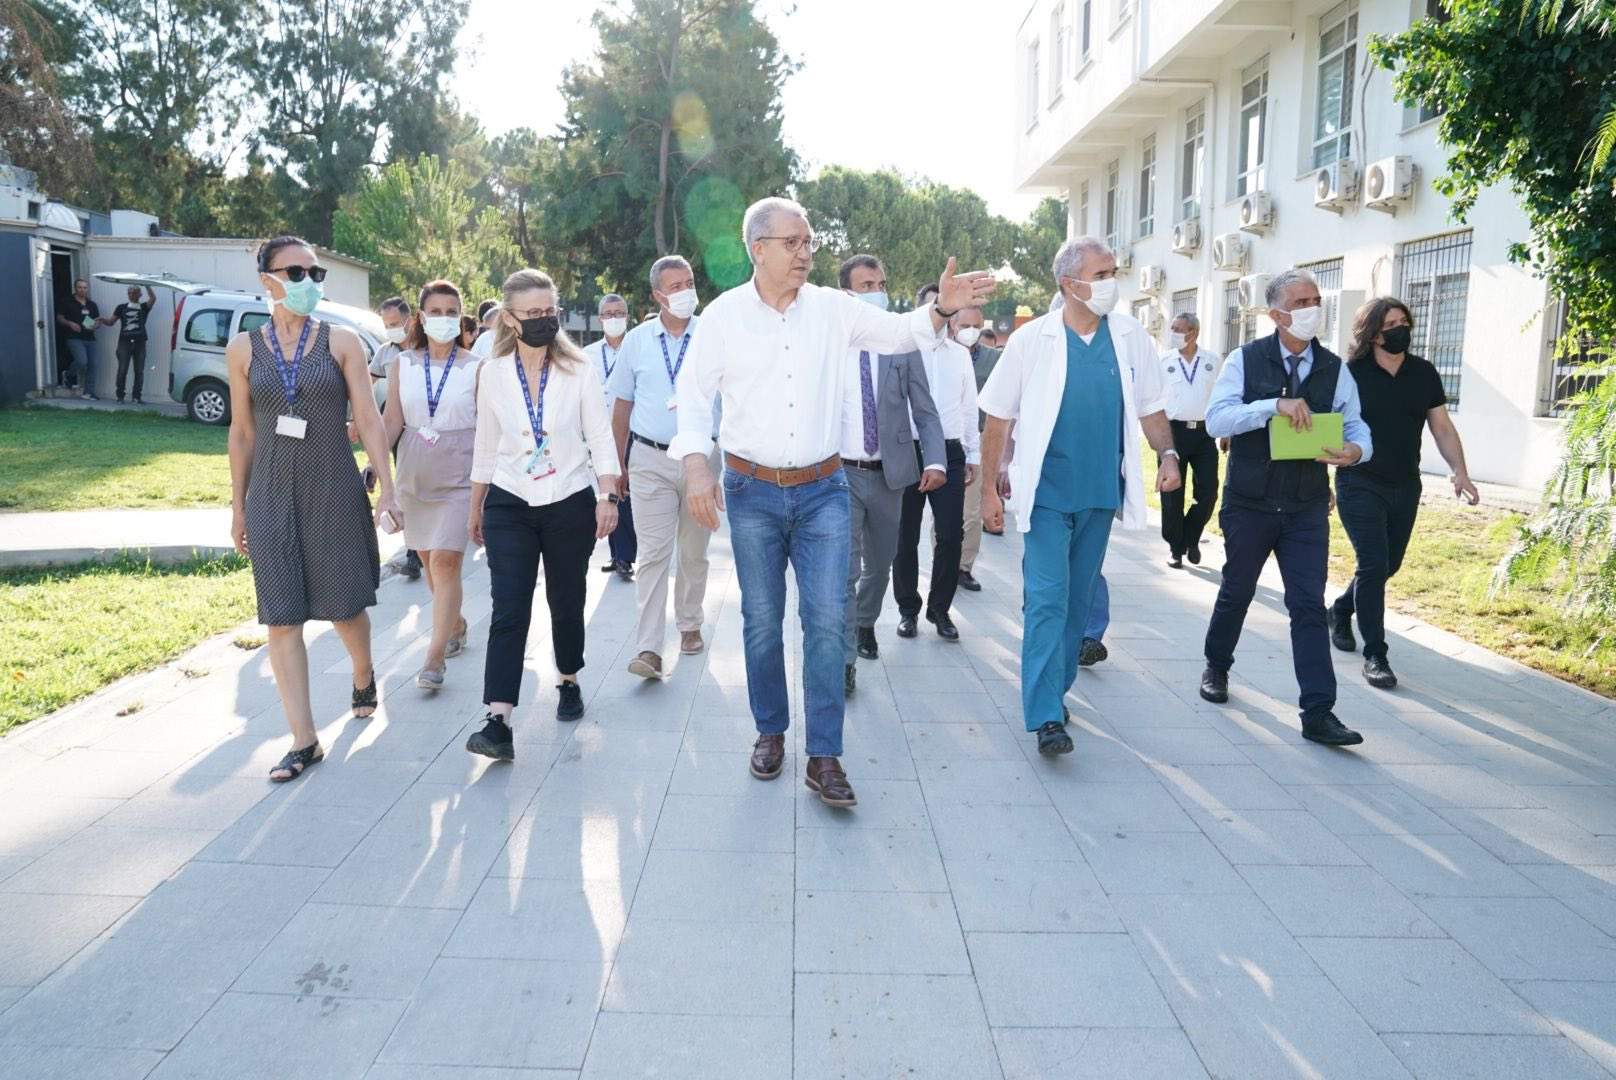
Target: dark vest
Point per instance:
(1254, 478)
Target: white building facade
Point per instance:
(1216, 141)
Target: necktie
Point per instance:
(1293, 384)
(872, 441)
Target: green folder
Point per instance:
(1285, 443)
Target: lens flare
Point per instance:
(713, 209)
(691, 126)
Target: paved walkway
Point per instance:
(1195, 891)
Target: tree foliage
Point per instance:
(37, 130)
(1528, 92)
(417, 222)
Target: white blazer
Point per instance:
(1026, 387)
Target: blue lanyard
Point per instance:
(607, 368)
(673, 368)
(535, 416)
(287, 372)
(426, 371)
(1190, 369)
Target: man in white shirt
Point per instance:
(1188, 372)
(488, 319)
(1078, 383)
(953, 388)
(654, 361)
(888, 409)
(774, 349)
(603, 356)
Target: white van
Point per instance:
(206, 318)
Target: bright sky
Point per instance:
(930, 97)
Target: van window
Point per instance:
(208, 327)
(252, 320)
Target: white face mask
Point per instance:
(616, 326)
(441, 328)
(968, 335)
(1176, 339)
(396, 334)
(1306, 322)
(1102, 296)
(682, 304)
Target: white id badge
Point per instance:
(673, 403)
(293, 427)
(428, 435)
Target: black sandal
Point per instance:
(365, 699)
(296, 761)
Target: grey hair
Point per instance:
(1284, 280)
(761, 213)
(609, 298)
(667, 262)
(1070, 255)
(1189, 317)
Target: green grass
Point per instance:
(68, 631)
(1446, 579)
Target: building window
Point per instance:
(1239, 327)
(1082, 221)
(1141, 312)
(1147, 186)
(1419, 114)
(1327, 272)
(1338, 52)
(1189, 184)
(1124, 9)
(1184, 301)
(1032, 84)
(1253, 128)
(1057, 51)
(1571, 373)
(1085, 31)
(1433, 278)
(1113, 205)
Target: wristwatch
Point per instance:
(1169, 450)
(611, 497)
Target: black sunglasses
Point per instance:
(297, 273)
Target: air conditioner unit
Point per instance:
(1257, 212)
(1124, 254)
(1254, 292)
(1230, 252)
(1335, 187)
(1152, 322)
(1152, 279)
(1340, 309)
(1187, 237)
(1389, 183)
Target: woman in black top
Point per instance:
(1378, 501)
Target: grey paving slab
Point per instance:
(1341, 901)
(1423, 985)
(1224, 787)
(716, 886)
(1440, 866)
(882, 804)
(879, 933)
(290, 833)
(33, 824)
(1096, 1054)
(1273, 837)
(576, 848)
(1527, 938)
(337, 950)
(175, 802)
(1592, 807)
(464, 1072)
(1585, 1012)
(1008, 833)
(72, 1063)
(1484, 1057)
(649, 1046)
(928, 1027)
(1189, 939)
(1066, 980)
(1059, 897)
(108, 861)
(1134, 806)
(264, 1036)
(1160, 863)
(40, 933)
(1367, 809)
(703, 968)
(869, 860)
(1533, 836)
(726, 823)
(1590, 891)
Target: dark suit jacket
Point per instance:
(901, 392)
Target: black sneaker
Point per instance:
(1176, 562)
(571, 705)
(1193, 554)
(412, 566)
(1215, 686)
(1094, 651)
(1053, 740)
(969, 583)
(494, 740)
(850, 679)
(868, 647)
(1378, 673)
(1325, 728)
(1341, 631)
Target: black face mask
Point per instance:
(541, 331)
(1396, 339)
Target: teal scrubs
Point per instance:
(1079, 491)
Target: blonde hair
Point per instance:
(563, 350)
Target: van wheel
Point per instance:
(208, 402)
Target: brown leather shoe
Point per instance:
(690, 642)
(647, 665)
(825, 776)
(768, 756)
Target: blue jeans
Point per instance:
(1060, 563)
(83, 354)
(808, 527)
(1099, 611)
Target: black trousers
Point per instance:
(1379, 519)
(131, 353)
(948, 510)
(1198, 461)
(517, 537)
(622, 543)
(1300, 542)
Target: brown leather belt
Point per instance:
(785, 477)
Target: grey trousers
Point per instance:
(875, 510)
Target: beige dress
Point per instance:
(434, 477)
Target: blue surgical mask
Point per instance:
(301, 296)
(876, 299)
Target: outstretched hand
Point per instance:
(956, 290)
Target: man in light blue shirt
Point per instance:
(1282, 507)
(645, 421)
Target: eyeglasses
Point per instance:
(298, 273)
(794, 244)
(538, 313)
